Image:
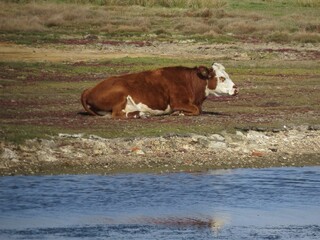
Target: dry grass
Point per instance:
(144, 3)
(38, 17)
(240, 27)
(308, 3)
(302, 3)
(306, 37)
(216, 20)
(170, 3)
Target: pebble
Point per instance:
(225, 149)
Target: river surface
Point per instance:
(274, 203)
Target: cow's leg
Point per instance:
(188, 110)
(183, 103)
(122, 114)
(118, 114)
(117, 110)
(135, 114)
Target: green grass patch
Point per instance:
(272, 94)
(18, 133)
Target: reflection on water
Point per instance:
(276, 203)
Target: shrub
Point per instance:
(305, 37)
(279, 37)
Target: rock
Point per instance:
(217, 137)
(46, 156)
(188, 147)
(45, 143)
(261, 129)
(95, 137)
(67, 149)
(220, 150)
(140, 152)
(256, 137)
(9, 154)
(214, 141)
(314, 128)
(273, 149)
(240, 134)
(202, 140)
(97, 152)
(217, 145)
(276, 130)
(65, 135)
(238, 137)
(99, 148)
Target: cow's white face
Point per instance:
(225, 86)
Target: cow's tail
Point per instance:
(85, 104)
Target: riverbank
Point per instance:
(48, 57)
(85, 154)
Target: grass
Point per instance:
(41, 99)
(215, 21)
(40, 104)
(144, 3)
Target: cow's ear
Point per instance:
(203, 72)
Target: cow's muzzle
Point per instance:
(236, 90)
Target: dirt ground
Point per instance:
(260, 139)
(76, 51)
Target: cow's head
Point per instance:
(219, 83)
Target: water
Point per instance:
(276, 203)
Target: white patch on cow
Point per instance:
(144, 110)
(225, 85)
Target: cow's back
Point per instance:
(153, 88)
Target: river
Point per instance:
(273, 203)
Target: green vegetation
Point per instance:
(42, 99)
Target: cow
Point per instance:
(169, 90)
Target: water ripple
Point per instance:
(275, 203)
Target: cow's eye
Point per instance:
(222, 79)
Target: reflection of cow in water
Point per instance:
(167, 90)
(183, 222)
(186, 222)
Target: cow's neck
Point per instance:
(200, 91)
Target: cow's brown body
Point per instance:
(165, 90)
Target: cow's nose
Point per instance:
(236, 90)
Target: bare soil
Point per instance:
(76, 50)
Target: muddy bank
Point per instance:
(74, 154)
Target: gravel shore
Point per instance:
(81, 154)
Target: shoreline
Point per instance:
(82, 154)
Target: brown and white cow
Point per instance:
(178, 90)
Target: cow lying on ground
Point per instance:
(178, 90)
